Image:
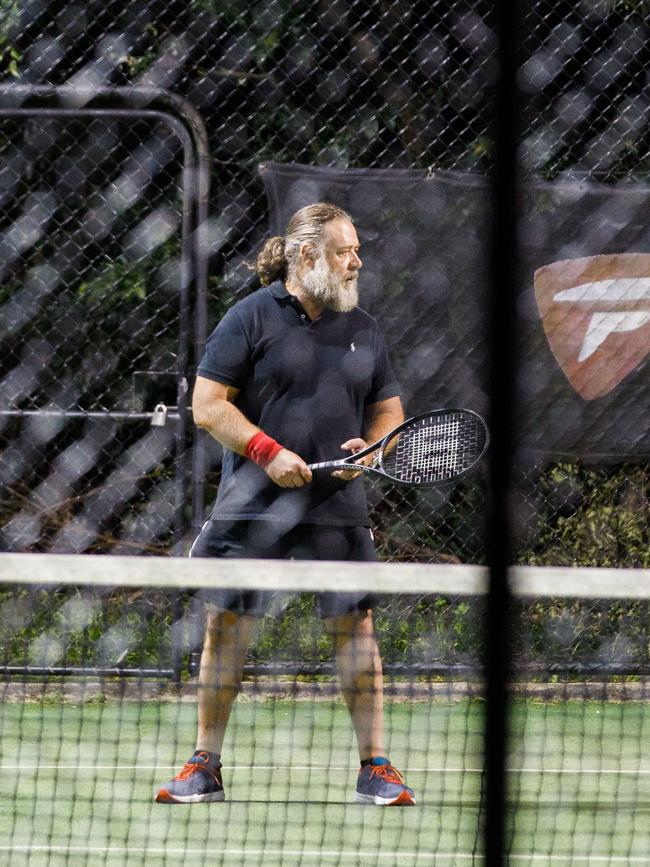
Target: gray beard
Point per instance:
(325, 289)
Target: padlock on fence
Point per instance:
(159, 416)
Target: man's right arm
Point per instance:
(215, 412)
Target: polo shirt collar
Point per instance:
(278, 290)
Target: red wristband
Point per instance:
(262, 449)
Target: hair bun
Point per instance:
(271, 262)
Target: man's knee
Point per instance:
(227, 627)
(354, 623)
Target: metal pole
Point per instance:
(503, 321)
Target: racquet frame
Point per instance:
(445, 450)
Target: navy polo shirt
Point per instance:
(306, 384)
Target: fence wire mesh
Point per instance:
(91, 214)
(92, 297)
(101, 328)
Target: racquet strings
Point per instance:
(435, 448)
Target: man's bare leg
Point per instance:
(227, 636)
(360, 675)
(220, 675)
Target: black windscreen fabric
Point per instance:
(583, 309)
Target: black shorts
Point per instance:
(266, 541)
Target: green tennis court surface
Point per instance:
(78, 783)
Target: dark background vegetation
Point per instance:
(365, 83)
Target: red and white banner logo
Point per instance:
(596, 315)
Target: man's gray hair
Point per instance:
(279, 256)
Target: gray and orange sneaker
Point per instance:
(199, 780)
(380, 783)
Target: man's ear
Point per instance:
(308, 254)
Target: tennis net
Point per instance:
(100, 660)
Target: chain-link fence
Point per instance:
(96, 327)
(95, 285)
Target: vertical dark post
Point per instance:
(178, 644)
(185, 327)
(503, 259)
(199, 463)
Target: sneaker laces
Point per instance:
(196, 763)
(388, 773)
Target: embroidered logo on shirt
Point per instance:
(353, 347)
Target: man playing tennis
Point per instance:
(294, 373)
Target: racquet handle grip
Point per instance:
(337, 465)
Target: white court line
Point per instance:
(307, 768)
(431, 857)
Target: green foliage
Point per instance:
(626, 7)
(68, 627)
(133, 65)
(436, 629)
(265, 45)
(7, 290)
(220, 300)
(233, 11)
(297, 634)
(9, 21)
(592, 517)
(607, 632)
(124, 280)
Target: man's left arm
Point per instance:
(380, 419)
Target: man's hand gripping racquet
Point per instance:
(434, 448)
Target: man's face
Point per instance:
(332, 279)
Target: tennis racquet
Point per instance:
(434, 448)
